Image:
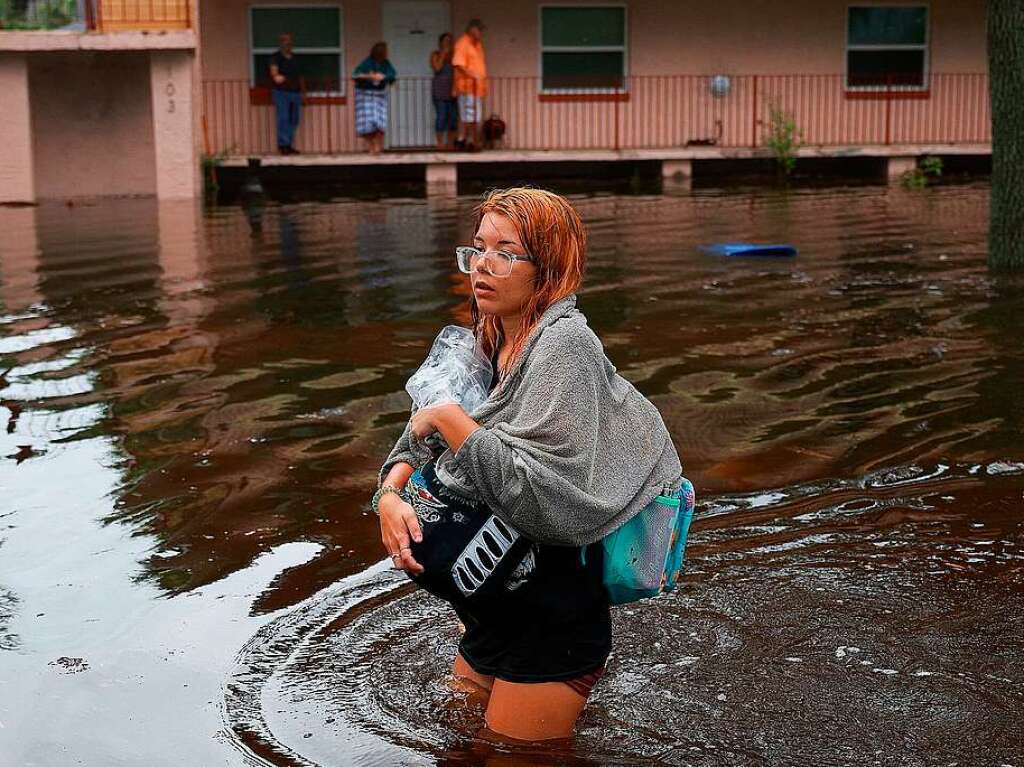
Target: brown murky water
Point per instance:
(191, 418)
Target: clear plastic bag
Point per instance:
(455, 370)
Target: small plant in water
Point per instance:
(930, 167)
(209, 164)
(783, 138)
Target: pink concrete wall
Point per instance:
(92, 124)
(17, 180)
(171, 86)
(731, 36)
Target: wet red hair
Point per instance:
(552, 232)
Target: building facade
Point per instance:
(639, 74)
(130, 104)
(102, 106)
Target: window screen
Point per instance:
(887, 46)
(316, 32)
(583, 48)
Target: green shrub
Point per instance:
(783, 138)
(929, 167)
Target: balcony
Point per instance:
(676, 114)
(104, 16)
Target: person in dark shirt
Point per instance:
(287, 93)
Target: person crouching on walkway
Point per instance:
(470, 83)
(287, 93)
(372, 77)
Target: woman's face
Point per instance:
(446, 43)
(502, 296)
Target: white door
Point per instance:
(411, 29)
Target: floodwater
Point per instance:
(191, 417)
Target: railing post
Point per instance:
(753, 117)
(90, 14)
(617, 97)
(329, 106)
(888, 109)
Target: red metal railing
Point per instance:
(648, 112)
(125, 15)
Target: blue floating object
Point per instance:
(748, 249)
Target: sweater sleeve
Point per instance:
(407, 449)
(537, 471)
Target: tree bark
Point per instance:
(1006, 78)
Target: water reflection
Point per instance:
(219, 395)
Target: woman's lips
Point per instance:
(483, 289)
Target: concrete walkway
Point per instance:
(441, 168)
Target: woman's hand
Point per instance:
(450, 420)
(422, 422)
(398, 523)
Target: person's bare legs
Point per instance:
(465, 679)
(472, 134)
(541, 711)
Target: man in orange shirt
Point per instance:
(470, 84)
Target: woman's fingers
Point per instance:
(413, 524)
(409, 563)
(398, 524)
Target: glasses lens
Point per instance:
(473, 260)
(466, 258)
(502, 265)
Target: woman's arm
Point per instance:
(399, 475)
(398, 522)
(450, 420)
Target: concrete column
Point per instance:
(17, 173)
(677, 175)
(677, 169)
(177, 165)
(442, 178)
(19, 267)
(897, 166)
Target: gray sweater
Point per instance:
(569, 450)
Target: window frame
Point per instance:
(583, 92)
(340, 50)
(925, 47)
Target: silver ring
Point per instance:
(405, 548)
(396, 556)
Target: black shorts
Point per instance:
(533, 612)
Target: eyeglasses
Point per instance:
(495, 263)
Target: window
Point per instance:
(887, 46)
(317, 44)
(583, 48)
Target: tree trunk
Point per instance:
(1006, 76)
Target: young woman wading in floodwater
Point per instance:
(563, 451)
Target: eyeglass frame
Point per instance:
(513, 257)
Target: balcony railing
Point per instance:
(95, 15)
(127, 15)
(646, 112)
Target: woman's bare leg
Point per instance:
(539, 711)
(465, 679)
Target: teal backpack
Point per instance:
(644, 557)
